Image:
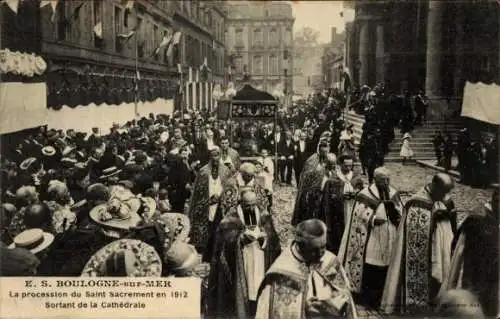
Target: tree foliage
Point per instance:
(305, 37)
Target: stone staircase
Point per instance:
(422, 136)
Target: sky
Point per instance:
(319, 15)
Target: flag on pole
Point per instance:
(53, 5)
(164, 42)
(98, 30)
(347, 80)
(129, 4)
(12, 4)
(76, 12)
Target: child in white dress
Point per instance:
(406, 152)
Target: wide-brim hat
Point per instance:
(35, 240)
(143, 259)
(96, 215)
(406, 135)
(67, 150)
(48, 150)
(26, 164)
(110, 172)
(68, 162)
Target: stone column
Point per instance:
(433, 80)
(364, 49)
(379, 53)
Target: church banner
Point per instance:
(482, 102)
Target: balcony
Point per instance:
(239, 45)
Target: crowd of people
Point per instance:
(477, 156)
(170, 194)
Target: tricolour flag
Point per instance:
(98, 30)
(53, 5)
(176, 38)
(129, 4)
(164, 42)
(12, 4)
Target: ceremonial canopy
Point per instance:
(252, 103)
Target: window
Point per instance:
(140, 46)
(257, 65)
(273, 64)
(288, 36)
(273, 37)
(238, 63)
(239, 38)
(61, 23)
(257, 37)
(118, 28)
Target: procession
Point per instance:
(349, 194)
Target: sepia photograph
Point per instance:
(249, 159)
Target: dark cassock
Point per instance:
(207, 189)
(422, 252)
(306, 280)
(369, 238)
(474, 263)
(312, 176)
(246, 245)
(323, 201)
(300, 155)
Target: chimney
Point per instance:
(334, 34)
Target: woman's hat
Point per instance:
(68, 162)
(182, 256)
(48, 151)
(124, 257)
(26, 164)
(110, 172)
(67, 150)
(35, 240)
(406, 135)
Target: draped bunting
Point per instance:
(66, 87)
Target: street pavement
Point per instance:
(408, 179)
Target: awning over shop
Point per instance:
(482, 102)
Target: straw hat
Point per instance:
(109, 172)
(406, 135)
(124, 257)
(177, 223)
(25, 165)
(35, 240)
(48, 151)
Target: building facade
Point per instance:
(307, 72)
(333, 60)
(112, 60)
(259, 38)
(425, 45)
(203, 60)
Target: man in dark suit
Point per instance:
(300, 155)
(181, 177)
(285, 160)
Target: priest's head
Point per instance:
(346, 163)
(247, 172)
(310, 238)
(248, 200)
(215, 154)
(382, 177)
(440, 186)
